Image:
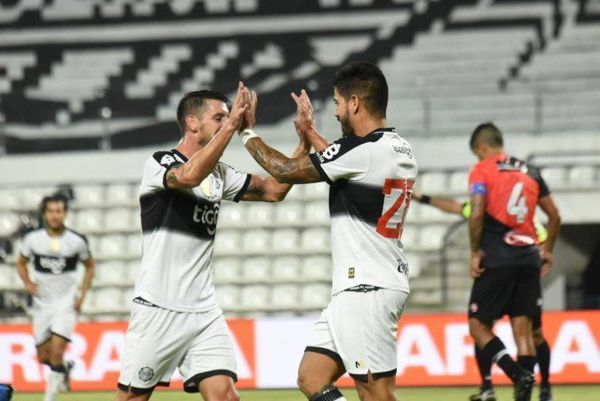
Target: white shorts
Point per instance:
(159, 340)
(359, 329)
(51, 320)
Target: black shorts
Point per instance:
(512, 291)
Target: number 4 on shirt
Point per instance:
(395, 205)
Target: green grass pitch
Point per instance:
(561, 393)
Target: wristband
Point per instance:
(246, 135)
(425, 199)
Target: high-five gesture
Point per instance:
(239, 107)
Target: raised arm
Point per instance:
(199, 166)
(305, 122)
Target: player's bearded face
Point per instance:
(344, 120)
(55, 214)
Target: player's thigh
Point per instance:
(381, 389)
(155, 342)
(365, 328)
(491, 294)
(211, 352)
(218, 388)
(58, 346)
(527, 299)
(42, 324)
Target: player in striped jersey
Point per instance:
(542, 348)
(371, 171)
(55, 251)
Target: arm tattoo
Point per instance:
(284, 169)
(172, 180)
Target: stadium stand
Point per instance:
(450, 65)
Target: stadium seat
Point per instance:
(315, 296)
(9, 278)
(285, 240)
(284, 297)
(316, 268)
(131, 269)
(127, 295)
(256, 241)
(227, 270)
(259, 214)
(117, 219)
(231, 215)
(432, 236)
(112, 246)
(295, 193)
(228, 297)
(106, 300)
(583, 177)
(286, 269)
(433, 214)
(255, 297)
(256, 270)
(121, 195)
(318, 190)
(109, 273)
(9, 223)
(287, 213)
(555, 177)
(89, 221)
(433, 183)
(134, 245)
(459, 182)
(315, 240)
(227, 242)
(94, 244)
(31, 198)
(89, 195)
(10, 199)
(316, 212)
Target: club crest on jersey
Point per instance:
(146, 374)
(167, 160)
(55, 265)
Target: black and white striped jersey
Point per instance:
(371, 181)
(178, 233)
(55, 260)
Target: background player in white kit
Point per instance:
(175, 321)
(55, 251)
(371, 170)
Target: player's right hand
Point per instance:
(547, 262)
(238, 108)
(476, 270)
(32, 288)
(305, 119)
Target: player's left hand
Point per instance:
(305, 119)
(249, 117)
(547, 262)
(476, 269)
(77, 304)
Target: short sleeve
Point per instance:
(477, 180)
(84, 249)
(26, 247)
(344, 159)
(235, 183)
(156, 168)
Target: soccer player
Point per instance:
(505, 261)
(175, 321)
(55, 251)
(371, 171)
(542, 349)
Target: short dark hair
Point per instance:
(366, 81)
(487, 133)
(195, 100)
(54, 198)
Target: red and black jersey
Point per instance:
(512, 190)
